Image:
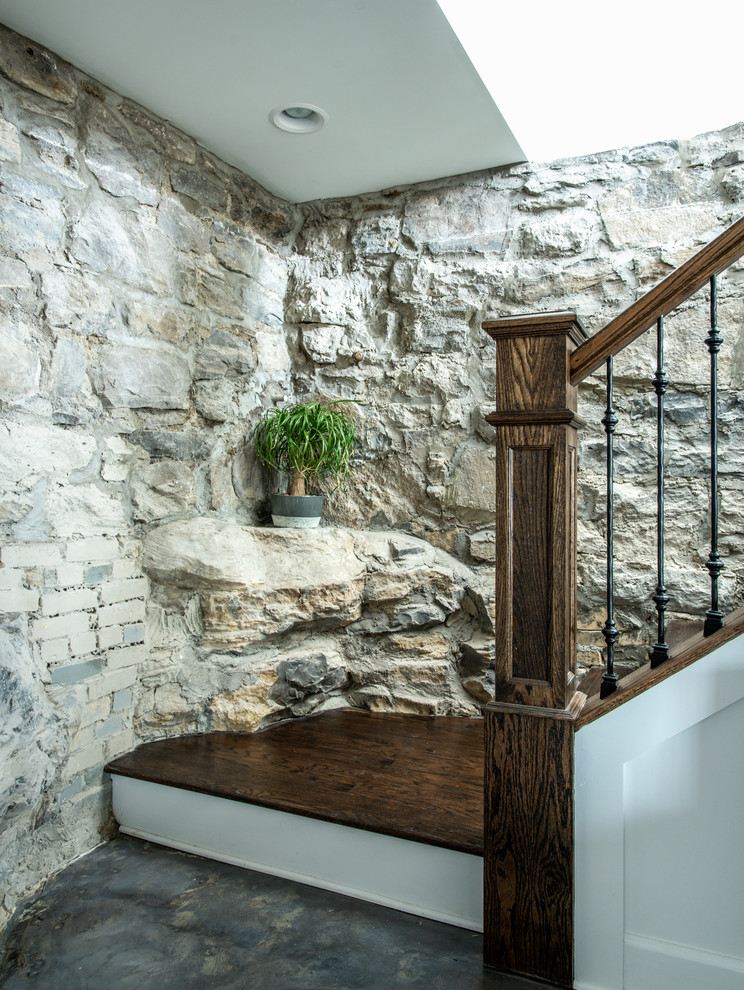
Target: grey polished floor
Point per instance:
(133, 916)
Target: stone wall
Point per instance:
(142, 287)
(154, 301)
(386, 304)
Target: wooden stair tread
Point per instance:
(412, 776)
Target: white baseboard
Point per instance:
(419, 879)
(656, 964)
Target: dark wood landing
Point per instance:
(411, 776)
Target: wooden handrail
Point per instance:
(723, 251)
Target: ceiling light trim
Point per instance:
(283, 118)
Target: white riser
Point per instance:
(409, 876)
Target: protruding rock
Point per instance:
(164, 488)
(35, 67)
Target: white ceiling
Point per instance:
(404, 101)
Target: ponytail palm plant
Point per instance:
(308, 442)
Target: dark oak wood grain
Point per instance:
(528, 865)
(694, 648)
(531, 497)
(532, 361)
(537, 323)
(528, 828)
(411, 776)
(535, 447)
(590, 682)
(662, 299)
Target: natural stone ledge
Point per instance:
(209, 554)
(257, 583)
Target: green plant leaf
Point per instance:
(316, 440)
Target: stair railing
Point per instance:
(540, 360)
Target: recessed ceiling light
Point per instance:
(298, 118)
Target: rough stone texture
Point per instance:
(154, 302)
(105, 211)
(429, 263)
(164, 488)
(141, 378)
(287, 621)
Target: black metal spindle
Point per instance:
(660, 651)
(610, 632)
(714, 616)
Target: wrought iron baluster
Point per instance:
(660, 651)
(610, 632)
(714, 616)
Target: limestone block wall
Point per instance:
(142, 288)
(385, 305)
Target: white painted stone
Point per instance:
(126, 656)
(62, 625)
(55, 650)
(59, 602)
(11, 579)
(122, 591)
(83, 643)
(92, 549)
(121, 612)
(19, 600)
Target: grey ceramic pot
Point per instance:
(296, 511)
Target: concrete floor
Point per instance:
(134, 916)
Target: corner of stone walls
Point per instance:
(154, 301)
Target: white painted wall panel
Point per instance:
(659, 809)
(684, 847)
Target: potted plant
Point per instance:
(309, 442)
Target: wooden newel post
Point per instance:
(535, 424)
(528, 902)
